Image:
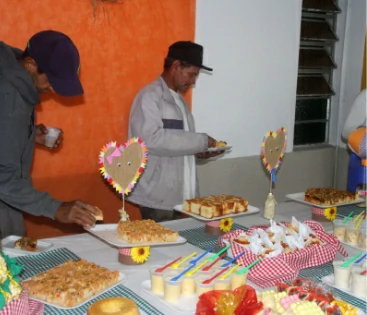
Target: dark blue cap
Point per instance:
(57, 56)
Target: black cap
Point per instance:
(57, 56)
(189, 52)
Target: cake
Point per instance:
(115, 306)
(220, 144)
(216, 206)
(328, 196)
(26, 243)
(144, 231)
(71, 283)
(99, 216)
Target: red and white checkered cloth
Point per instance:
(286, 266)
(125, 251)
(23, 306)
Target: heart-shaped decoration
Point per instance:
(273, 148)
(122, 165)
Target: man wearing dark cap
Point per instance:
(161, 117)
(50, 62)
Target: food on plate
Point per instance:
(328, 196)
(216, 206)
(99, 216)
(115, 306)
(71, 283)
(145, 231)
(26, 243)
(278, 239)
(220, 144)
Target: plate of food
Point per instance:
(211, 208)
(24, 245)
(136, 233)
(325, 197)
(58, 286)
(219, 146)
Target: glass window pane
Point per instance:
(312, 86)
(311, 109)
(327, 6)
(317, 31)
(315, 59)
(311, 133)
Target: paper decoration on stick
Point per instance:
(272, 150)
(122, 165)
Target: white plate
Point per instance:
(250, 210)
(8, 246)
(122, 279)
(219, 149)
(329, 280)
(299, 197)
(185, 304)
(107, 232)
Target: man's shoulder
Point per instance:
(153, 89)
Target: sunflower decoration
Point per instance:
(330, 213)
(226, 224)
(140, 254)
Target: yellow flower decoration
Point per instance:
(330, 213)
(226, 224)
(140, 254)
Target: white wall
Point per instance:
(351, 28)
(253, 48)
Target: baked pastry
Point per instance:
(99, 216)
(220, 144)
(26, 243)
(71, 283)
(328, 196)
(114, 306)
(145, 231)
(216, 206)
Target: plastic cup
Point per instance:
(222, 284)
(341, 275)
(352, 234)
(362, 243)
(172, 289)
(339, 229)
(359, 283)
(156, 280)
(238, 280)
(188, 285)
(203, 288)
(51, 136)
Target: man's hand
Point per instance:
(208, 155)
(76, 212)
(211, 142)
(41, 131)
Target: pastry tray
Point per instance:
(226, 148)
(8, 246)
(122, 279)
(299, 197)
(107, 232)
(250, 210)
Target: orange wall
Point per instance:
(121, 51)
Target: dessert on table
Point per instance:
(329, 196)
(115, 306)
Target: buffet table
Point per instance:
(92, 249)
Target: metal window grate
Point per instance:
(315, 71)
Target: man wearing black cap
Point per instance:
(160, 116)
(50, 62)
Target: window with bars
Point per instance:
(315, 71)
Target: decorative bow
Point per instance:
(115, 153)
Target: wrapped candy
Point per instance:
(243, 300)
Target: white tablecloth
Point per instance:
(92, 249)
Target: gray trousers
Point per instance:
(159, 215)
(11, 222)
